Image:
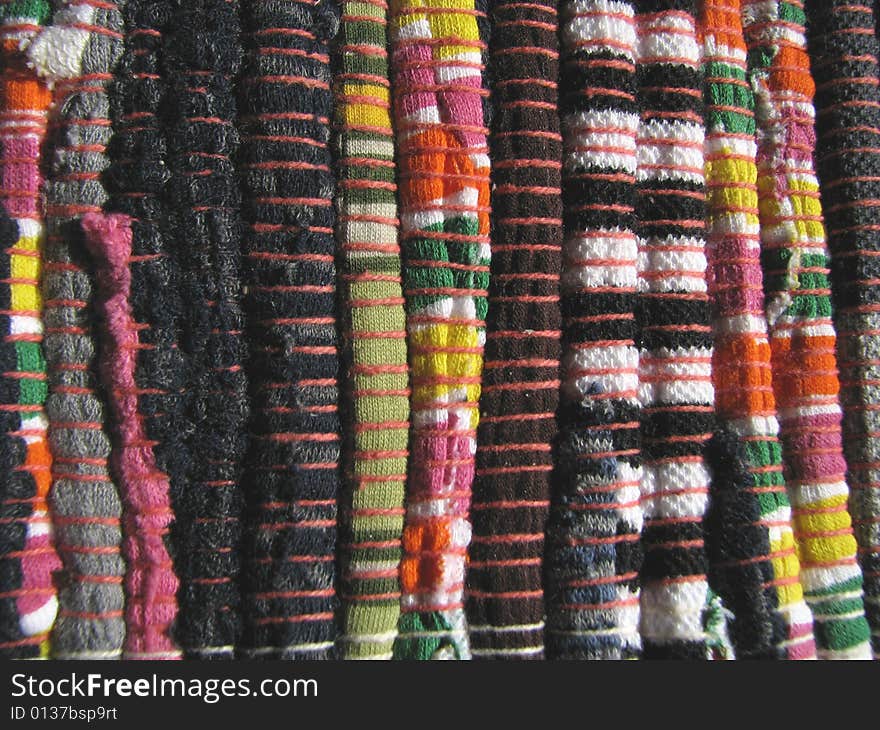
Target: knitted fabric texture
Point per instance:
(843, 51)
(520, 388)
(17, 486)
(374, 345)
(444, 209)
(292, 470)
(28, 598)
(802, 338)
(593, 553)
(201, 55)
(84, 499)
(753, 564)
(150, 581)
(675, 378)
(145, 386)
(23, 604)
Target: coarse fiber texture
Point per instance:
(201, 56)
(24, 608)
(802, 339)
(843, 53)
(77, 53)
(753, 563)
(145, 370)
(150, 581)
(28, 601)
(520, 387)
(437, 63)
(292, 470)
(675, 338)
(593, 553)
(376, 424)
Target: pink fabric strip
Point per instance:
(151, 584)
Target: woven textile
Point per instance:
(144, 371)
(77, 53)
(444, 210)
(27, 603)
(374, 345)
(520, 388)
(675, 379)
(28, 598)
(843, 53)
(151, 583)
(802, 339)
(593, 551)
(292, 476)
(749, 534)
(201, 55)
(439, 329)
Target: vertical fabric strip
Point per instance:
(802, 337)
(292, 474)
(18, 484)
(78, 53)
(520, 389)
(843, 53)
(149, 455)
(28, 554)
(753, 564)
(374, 345)
(593, 553)
(675, 378)
(201, 56)
(151, 584)
(444, 208)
